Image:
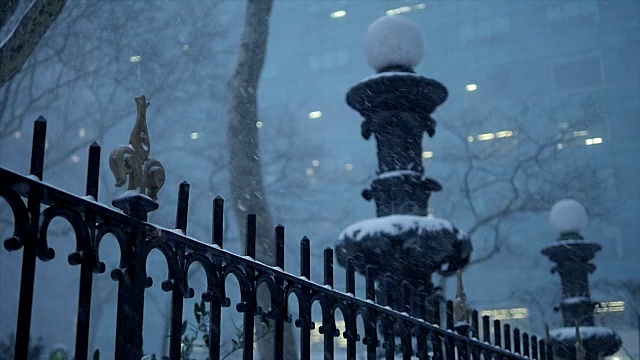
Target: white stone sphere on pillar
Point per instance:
(568, 215)
(393, 40)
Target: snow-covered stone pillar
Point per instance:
(396, 103)
(572, 254)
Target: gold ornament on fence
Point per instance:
(145, 174)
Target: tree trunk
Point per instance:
(245, 170)
(15, 51)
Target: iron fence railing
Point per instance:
(35, 204)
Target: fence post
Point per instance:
(132, 280)
(146, 176)
(25, 306)
(87, 259)
(177, 295)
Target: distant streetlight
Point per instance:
(572, 254)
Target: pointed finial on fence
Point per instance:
(580, 350)
(146, 175)
(461, 309)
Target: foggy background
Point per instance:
(544, 103)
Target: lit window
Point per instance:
(195, 136)
(427, 154)
(17, 135)
(338, 14)
(559, 146)
(505, 133)
(82, 132)
(471, 87)
(405, 9)
(505, 314)
(135, 59)
(610, 306)
(469, 138)
(348, 167)
(580, 133)
(75, 158)
(487, 136)
(315, 114)
(400, 10)
(310, 171)
(258, 124)
(593, 141)
(315, 163)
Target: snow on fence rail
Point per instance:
(92, 220)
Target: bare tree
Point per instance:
(245, 168)
(523, 168)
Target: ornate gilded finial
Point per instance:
(146, 174)
(461, 310)
(581, 352)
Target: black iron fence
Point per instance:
(35, 204)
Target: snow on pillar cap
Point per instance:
(393, 40)
(568, 215)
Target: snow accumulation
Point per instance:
(575, 300)
(586, 332)
(393, 40)
(568, 215)
(389, 74)
(396, 224)
(131, 193)
(395, 173)
(568, 243)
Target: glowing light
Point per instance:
(82, 132)
(75, 158)
(186, 48)
(427, 154)
(559, 146)
(315, 163)
(506, 314)
(338, 14)
(580, 133)
(348, 167)
(405, 9)
(610, 306)
(469, 138)
(487, 136)
(258, 124)
(135, 59)
(310, 172)
(315, 114)
(594, 141)
(195, 136)
(471, 87)
(505, 133)
(400, 10)
(17, 135)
